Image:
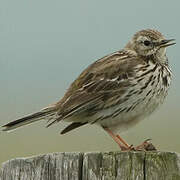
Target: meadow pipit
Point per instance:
(116, 91)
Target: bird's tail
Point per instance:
(45, 114)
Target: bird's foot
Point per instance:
(146, 146)
(124, 146)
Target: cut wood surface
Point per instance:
(94, 166)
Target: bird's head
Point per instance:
(149, 42)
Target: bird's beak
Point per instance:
(165, 43)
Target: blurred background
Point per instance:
(44, 45)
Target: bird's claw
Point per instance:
(146, 146)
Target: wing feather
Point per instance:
(100, 86)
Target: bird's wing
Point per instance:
(99, 86)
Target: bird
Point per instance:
(116, 91)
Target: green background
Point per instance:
(44, 45)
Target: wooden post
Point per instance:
(94, 166)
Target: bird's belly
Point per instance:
(120, 118)
(138, 106)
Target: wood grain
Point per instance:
(94, 166)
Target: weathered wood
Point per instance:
(55, 166)
(162, 166)
(113, 165)
(94, 166)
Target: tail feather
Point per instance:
(72, 126)
(43, 114)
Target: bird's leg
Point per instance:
(122, 140)
(122, 144)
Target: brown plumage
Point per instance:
(116, 91)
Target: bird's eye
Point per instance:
(147, 43)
